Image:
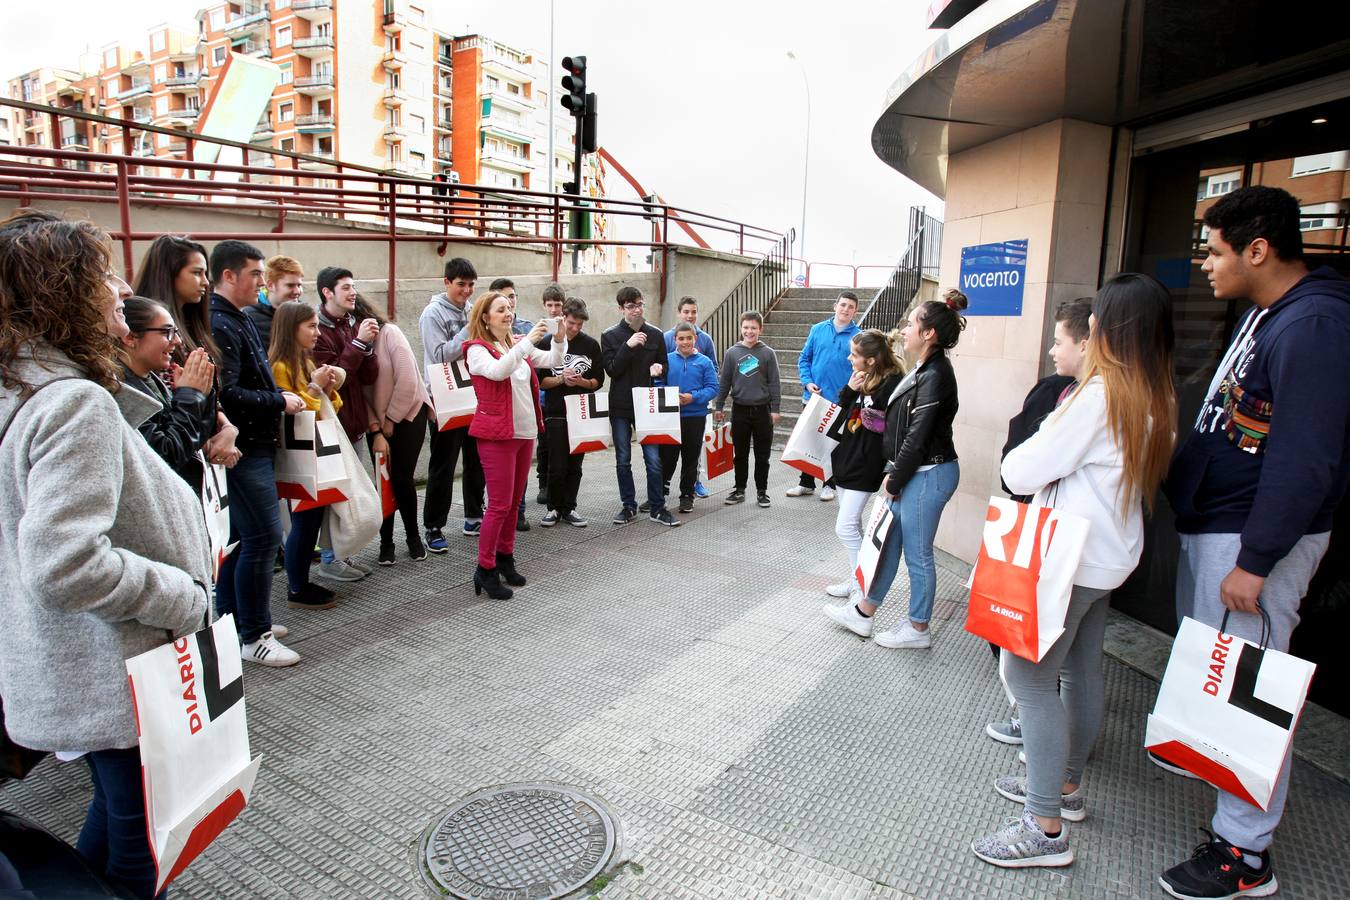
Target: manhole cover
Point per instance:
(521, 841)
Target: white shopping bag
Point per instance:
(351, 523)
(216, 509)
(588, 422)
(719, 456)
(452, 394)
(656, 415)
(309, 467)
(876, 527)
(1227, 710)
(195, 766)
(814, 437)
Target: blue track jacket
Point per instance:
(824, 360)
(693, 375)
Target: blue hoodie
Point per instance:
(703, 343)
(692, 375)
(824, 360)
(1278, 469)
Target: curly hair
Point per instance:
(53, 271)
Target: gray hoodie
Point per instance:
(103, 555)
(440, 325)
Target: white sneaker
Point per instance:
(339, 570)
(843, 588)
(268, 651)
(280, 631)
(826, 495)
(905, 637)
(847, 615)
(798, 491)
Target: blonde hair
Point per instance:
(872, 344)
(282, 265)
(478, 327)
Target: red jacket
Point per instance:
(494, 420)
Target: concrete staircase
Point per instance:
(785, 331)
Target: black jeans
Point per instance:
(445, 449)
(542, 454)
(114, 840)
(807, 481)
(563, 468)
(405, 446)
(686, 454)
(751, 423)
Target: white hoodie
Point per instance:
(1075, 447)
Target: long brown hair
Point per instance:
(478, 326)
(872, 344)
(167, 256)
(285, 349)
(1130, 349)
(53, 273)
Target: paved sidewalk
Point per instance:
(687, 677)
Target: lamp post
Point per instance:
(806, 157)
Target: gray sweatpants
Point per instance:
(1206, 559)
(1060, 701)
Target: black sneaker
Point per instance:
(665, 518)
(386, 554)
(436, 541)
(550, 519)
(1217, 870)
(645, 506)
(311, 596)
(624, 516)
(736, 496)
(416, 550)
(763, 499)
(686, 504)
(522, 523)
(575, 520)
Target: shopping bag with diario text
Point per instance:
(817, 432)
(309, 467)
(1019, 591)
(216, 509)
(656, 415)
(1227, 709)
(452, 394)
(719, 456)
(876, 528)
(588, 423)
(386, 487)
(195, 768)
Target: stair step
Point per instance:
(825, 293)
(824, 306)
(781, 316)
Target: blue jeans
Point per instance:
(622, 430)
(917, 511)
(113, 840)
(245, 584)
(300, 546)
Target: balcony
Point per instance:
(179, 82)
(393, 60)
(177, 146)
(137, 89)
(506, 100)
(75, 142)
(394, 22)
(140, 64)
(394, 97)
(261, 49)
(443, 155)
(316, 47)
(188, 52)
(314, 85)
(512, 130)
(314, 124)
(263, 132)
(313, 10)
(394, 134)
(505, 66)
(262, 161)
(502, 160)
(186, 114)
(141, 116)
(247, 24)
(444, 59)
(324, 161)
(445, 88)
(71, 92)
(443, 125)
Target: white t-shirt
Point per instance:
(516, 364)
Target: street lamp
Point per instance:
(806, 155)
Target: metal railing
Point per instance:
(760, 288)
(889, 307)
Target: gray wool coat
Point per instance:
(103, 556)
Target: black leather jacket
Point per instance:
(180, 429)
(919, 421)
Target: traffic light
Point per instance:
(574, 85)
(590, 140)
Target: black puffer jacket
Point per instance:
(919, 420)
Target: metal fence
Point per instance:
(889, 307)
(757, 291)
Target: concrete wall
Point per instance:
(1048, 185)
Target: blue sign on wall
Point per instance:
(992, 276)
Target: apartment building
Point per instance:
(61, 88)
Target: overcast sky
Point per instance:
(698, 100)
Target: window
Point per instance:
(323, 69)
(288, 144)
(1319, 216)
(161, 72)
(395, 82)
(285, 73)
(512, 88)
(218, 19)
(419, 160)
(218, 56)
(285, 112)
(1224, 184)
(492, 84)
(162, 105)
(157, 42)
(418, 123)
(1320, 162)
(283, 36)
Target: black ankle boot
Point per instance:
(506, 565)
(489, 580)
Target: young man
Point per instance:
(824, 369)
(703, 343)
(349, 345)
(750, 376)
(1255, 496)
(283, 277)
(634, 355)
(582, 372)
(553, 300)
(442, 325)
(694, 375)
(250, 398)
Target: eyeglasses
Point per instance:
(638, 305)
(170, 332)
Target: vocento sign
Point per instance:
(992, 277)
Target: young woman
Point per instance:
(400, 401)
(506, 424)
(295, 331)
(860, 458)
(1100, 455)
(921, 475)
(186, 419)
(104, 554)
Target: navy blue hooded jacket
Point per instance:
(1269, 455)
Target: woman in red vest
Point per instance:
(506, 425)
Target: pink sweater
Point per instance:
(399, 392)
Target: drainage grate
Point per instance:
(519, 841)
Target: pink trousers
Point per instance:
(506, 468)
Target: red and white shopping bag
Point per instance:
(309, 467)
(719, 456)
(1019, 591)
(656, 415)
(588, 423)
(216, 510)
(876, 528)
(386, 487)
(452, 394)
(195, 766)
(1227, 710)
(814, 437)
